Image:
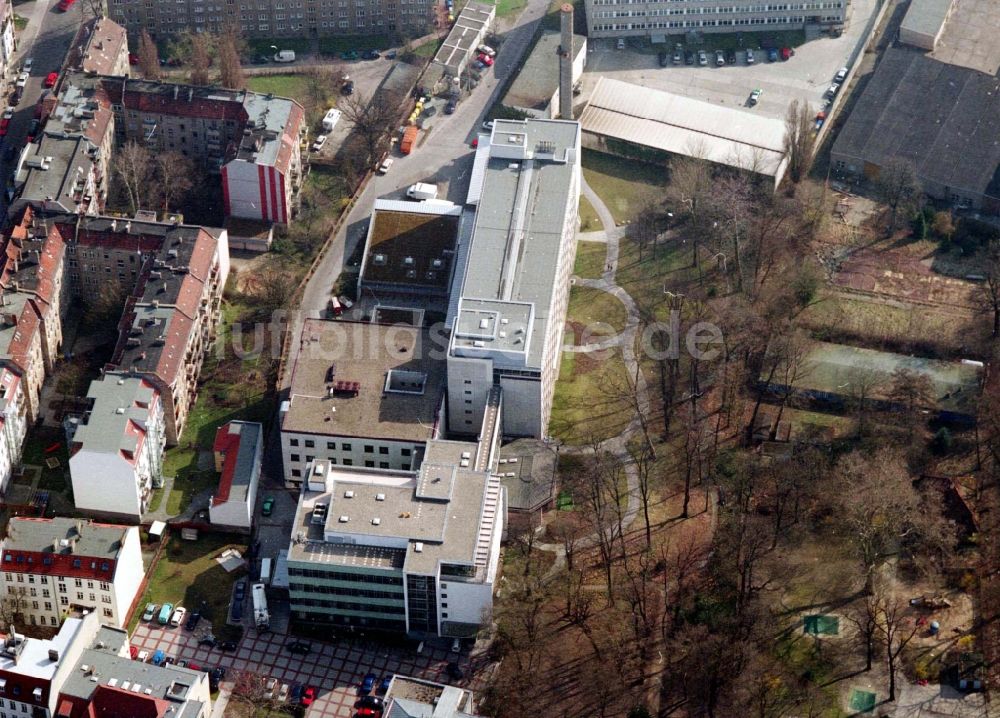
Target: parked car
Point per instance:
(28, 62)
(143, 656)
(15, 97)
(240, 591)
(178, 617)
(227, 646)
(297, 691)
(786, 52)
(663, 58)
(215, 677)
(370, 702)
(720, 58)
(267, 508)
(367, 683)
(750, 57)
(772, 55)
(133, 652)
(22, 80)
(208, 640)
(349, 55)
(270, 685)
(308, 696)
(486, 60)
(731, 56)
(158, 658)
(755, 96)
(33, 129)
(236, 613)
(150, 611)
(366, 712)
(50, 79)
(283, 693)
(841, 75)
(371, 55)
(385, 166)
(702, 58)
(193, 620)
(166, 610)
(284, 56)
(488, 125)
(298, 647)
(621, 43)
(831, 91)
(678, 58)
(689, 57)
(318, 144)
(449, 109)
(384, 685)
(193, 666)
(454, 671)
(65, 5)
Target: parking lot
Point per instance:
(805, 76)
(333, 670)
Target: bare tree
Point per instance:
(898, 629)
(12, 604)
(863, 383)
(90, 9)
(898, 187)
(230, 69)
(798, 139)
(199, 58)
(250, 687)
(149, 57)
(865, 615)
(133, 165)
(373, 119)
(643, 463)
(988, 293)
(913, 392)
(174, 174)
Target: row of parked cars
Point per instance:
(722, 57)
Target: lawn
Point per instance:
(187, 574)
(286, 85)
(591, 259)
(34, 453)
(589, 221)
(428, 49)
(231, 389)
(20, 23)
(591, 400)
(644, 276)
(587, 306)
(508, 8)
(623, 184)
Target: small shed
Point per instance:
(156, 530)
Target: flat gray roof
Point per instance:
(528, 471)
(379, 520)
(92, 540)
(538, 78)
(364, 353)
(515, 250)
(926, 16)
(118, 415)
(943, 118)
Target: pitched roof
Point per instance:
(238, 442)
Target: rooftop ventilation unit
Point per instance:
(418, 547)
(376, 521)
(380, 497)
(344, 519)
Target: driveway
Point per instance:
(334, 670)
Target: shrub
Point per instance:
(942, 442)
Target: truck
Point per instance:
(261, 618)
(285, 56)
(422, 190)
(330, 120)
(409, 139)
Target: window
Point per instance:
(297, 473)
(79, 595)
(404, 452)
(309, 457)
(346, 447)
(369, 448)
(348, 462)
(295, 457)
(293, 442)
(90, 584)
(63, 601)
(91, 598)
(78, 583)
(384, 450)
(46, 593)
(105, 599)
(108, 612)
(369, 464)
(48, 605)
(383, 464)
(331, 445)
(310, 443)
(104, 584)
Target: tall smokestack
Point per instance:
(566, 62)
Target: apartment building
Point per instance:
(413, 554)
(238, 448)
(362, 395)
(85, 670)
(510, 299)
(100, 47)
(7, 41)
(652, 18)
(53, 566)
(275, 19)
(116, 448)
(251, 141)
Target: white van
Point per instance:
(330, 120)
(422, 190)
(285, 56)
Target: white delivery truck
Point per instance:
(330, 120)
(422, 190)
(261, 618)
(285, 56)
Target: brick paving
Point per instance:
(335, 670)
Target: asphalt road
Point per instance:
(46, 39)
(444, 155)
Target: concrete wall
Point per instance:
(469, 382)
(255, 192)
(398, 455)
(129, 573)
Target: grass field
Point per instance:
(588, 306)
(34, 452)
(590, 259)
(623, 184)
(187, 574)
(644, 277)
(428, 49)
(589, 221)
(287, 85)
(591, 399)
(508, 8)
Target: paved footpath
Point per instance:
(335, 670)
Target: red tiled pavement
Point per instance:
(334, 669)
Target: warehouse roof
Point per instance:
(926, 16)
(538, 78)
(943, 118)
(683, 126)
